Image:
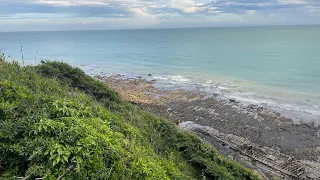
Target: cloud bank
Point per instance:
(18, 15)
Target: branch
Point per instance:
(22, 57)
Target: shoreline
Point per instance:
(301, 109)
(254, 123)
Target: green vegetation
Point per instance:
(58, 123)
(76, 78)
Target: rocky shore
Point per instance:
(255, 127)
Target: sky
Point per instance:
(47, 15)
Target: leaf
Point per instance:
(54, 163)
(47, 152)
(65, 158)
(58, 159)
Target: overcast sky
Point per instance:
(29, 15)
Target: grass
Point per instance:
(56, 122)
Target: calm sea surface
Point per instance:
(278, 67)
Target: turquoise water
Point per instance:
(272, 66)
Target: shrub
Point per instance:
(49, 130)
(76, 78)
(53, 125)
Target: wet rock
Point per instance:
(149, 75)
(260, 109)
(264, 126)
(98, 77)
(134, 102)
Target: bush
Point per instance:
(53, 125)
(49, 130)
(76, 78)
(2, 57)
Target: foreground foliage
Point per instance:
(57, 122)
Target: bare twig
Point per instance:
(35, 58)
(22, 56)
(110, 171)
(27, 177)
(60, 177)
(92, 95)
(71, 167)
(24, 178)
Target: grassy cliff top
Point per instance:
(56, 122)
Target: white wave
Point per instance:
(249, 98)
(305, 109)
(245, 96)
(161, 78)
(174, 79)
(179, 79)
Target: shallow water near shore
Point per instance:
(275, 67)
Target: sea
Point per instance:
(277, 67)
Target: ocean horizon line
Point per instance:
(169, 28)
